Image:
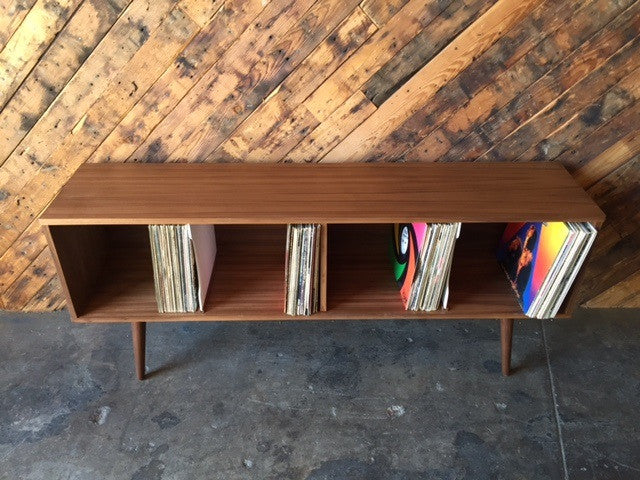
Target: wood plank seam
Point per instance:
(18, 11)
(112, 148)
(368, 16)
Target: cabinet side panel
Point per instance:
(79, 252)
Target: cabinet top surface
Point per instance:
(320, 193)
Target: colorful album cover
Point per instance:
(408, 239)
(527, 252)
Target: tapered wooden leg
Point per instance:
(139, 333)
(506, 334)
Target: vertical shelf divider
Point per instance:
(323, 266)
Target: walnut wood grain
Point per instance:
(342, 193)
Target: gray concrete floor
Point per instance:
(318, 401)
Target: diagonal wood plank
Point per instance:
(513, 62)
(619, 196)
(33, 36)
(584, 114)
(594, 168)
(48, 298)
(55, 68)
(322, 62)
(222, 86)
(622, 293)
(380, 11)
(376, 52)
(202, 11)
(330, 132)
(40, 273)
(198, 57)
(455, 18)
(125, 89)
(11, 16)
(20, 255)
(517, 106)
(285, 133)
(292, 49)
(423, 85)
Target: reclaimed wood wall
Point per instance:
(307, 81)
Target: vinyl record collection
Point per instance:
(302, 269)
(422, 257)
(183, 258)
(541, 260)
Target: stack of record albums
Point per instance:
(423, 253)
(302, 269)
(183, 258)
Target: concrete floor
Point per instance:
(318, 401)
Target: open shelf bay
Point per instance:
(248, 279)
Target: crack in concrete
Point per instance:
(554, 397)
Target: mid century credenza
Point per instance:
(97, 230)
